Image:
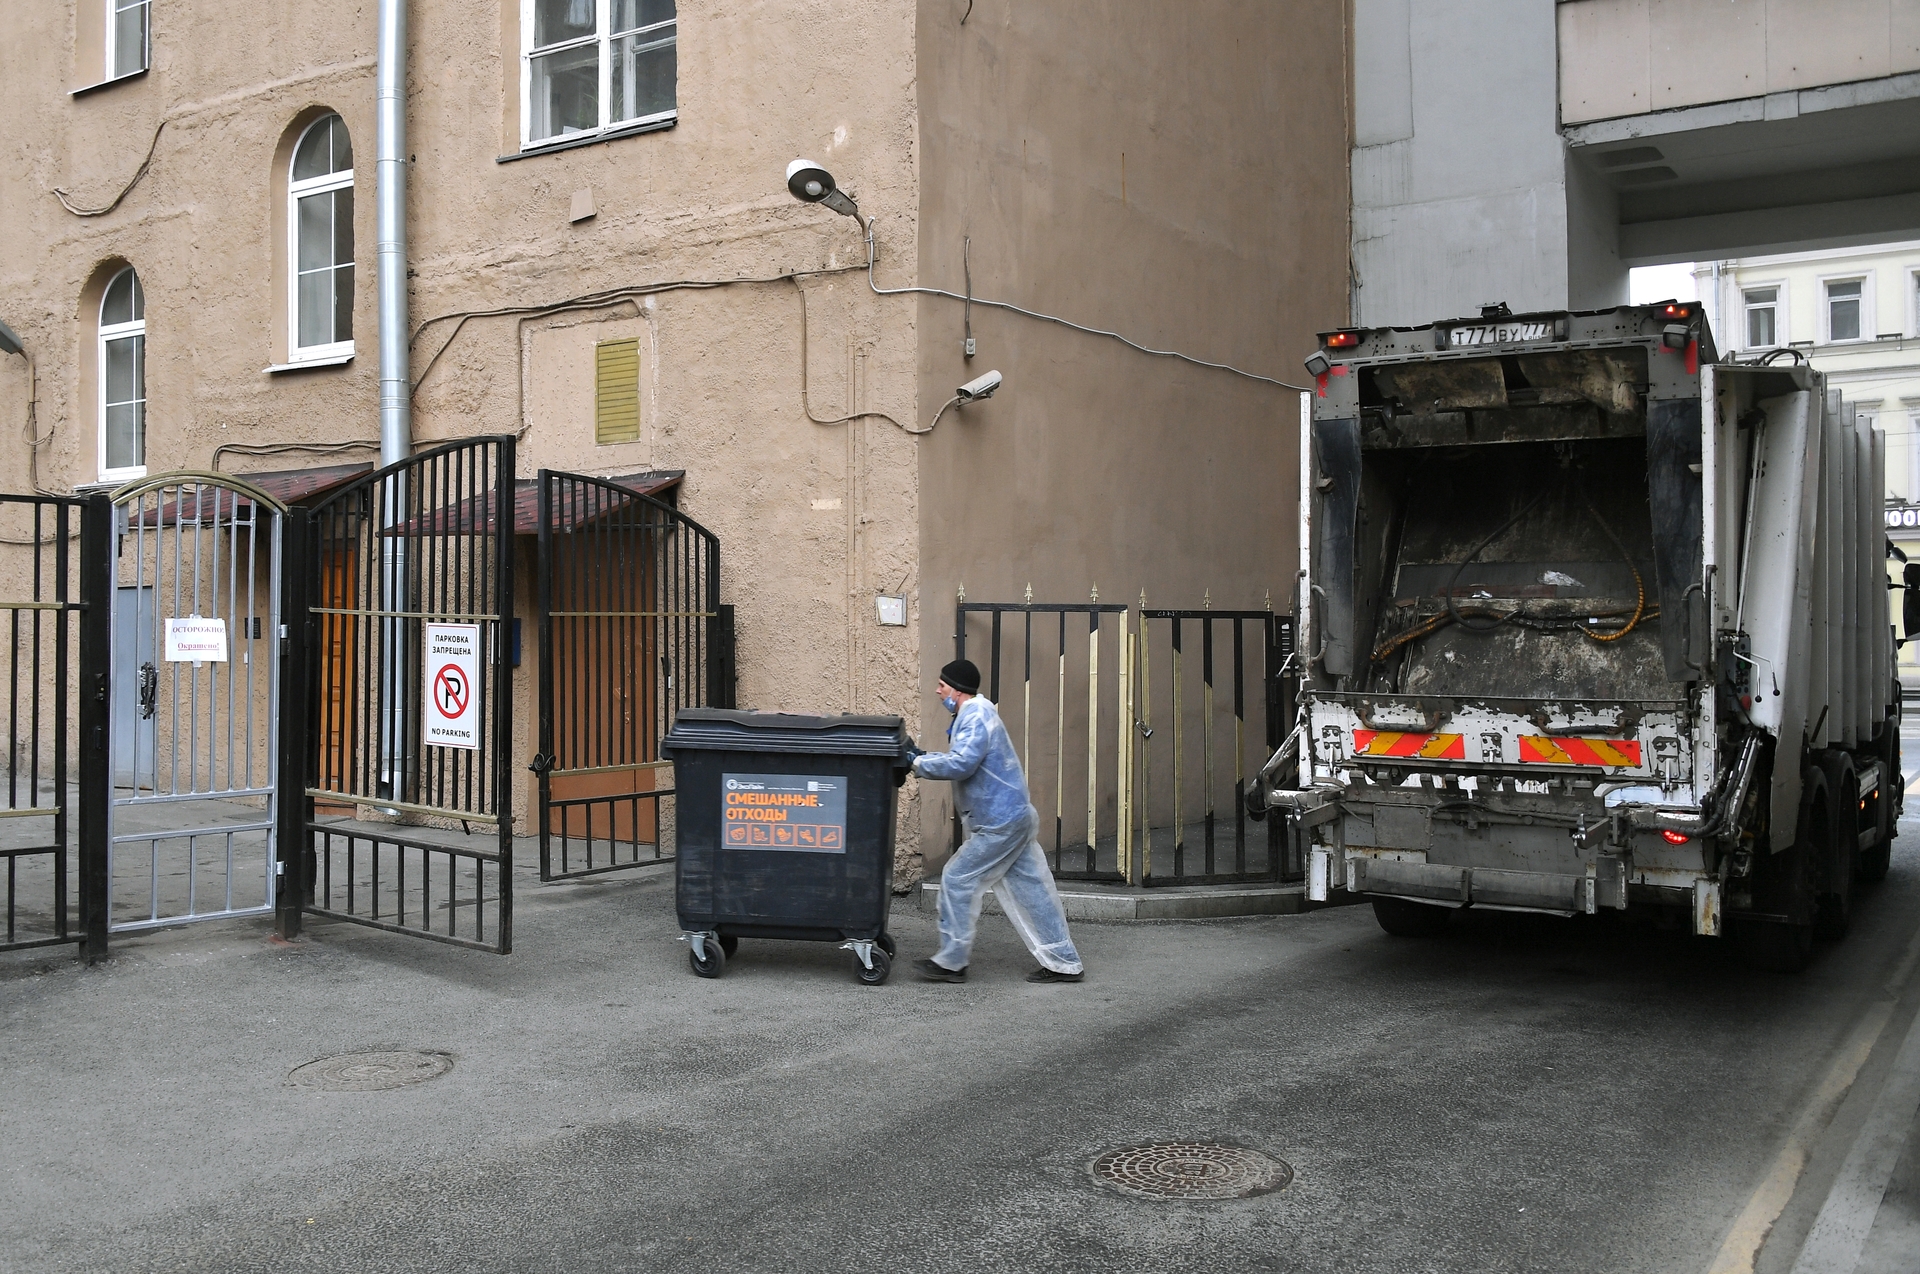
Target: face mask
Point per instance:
(952, 705)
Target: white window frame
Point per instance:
(603, 39)
(296, 191)
(114, 9)
(111, 332)
(1869, 320)
(1782, 333)
(1913, 300)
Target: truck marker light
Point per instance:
(1674, 838)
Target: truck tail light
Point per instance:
(1341, 340)
(1674, 838)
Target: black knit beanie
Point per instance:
(962, 676)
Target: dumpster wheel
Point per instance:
(713, 965)
(882, 966)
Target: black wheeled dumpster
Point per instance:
(785, 830)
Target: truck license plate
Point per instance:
(1499, 333)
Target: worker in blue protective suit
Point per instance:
(1002, 849)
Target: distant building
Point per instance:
(1855, 314)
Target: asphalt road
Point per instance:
(1522, 1094)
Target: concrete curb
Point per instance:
(1179, 902)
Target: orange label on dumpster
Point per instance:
(802, 813)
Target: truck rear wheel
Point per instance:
(1781, 940)
(1775, 946)
(1875, 859)
(1834, 844)
(1404, 919)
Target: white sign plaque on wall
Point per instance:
(196, 640)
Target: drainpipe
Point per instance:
(396, 389)
(390, 261)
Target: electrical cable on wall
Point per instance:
(65, 196)
(280, 448)
(971, 301)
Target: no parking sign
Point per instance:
(453, 685)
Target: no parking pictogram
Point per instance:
(453, 673)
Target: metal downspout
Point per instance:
(396, 389)
(390, 261)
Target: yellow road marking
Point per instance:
(1755, 1222)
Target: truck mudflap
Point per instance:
(1600, 740)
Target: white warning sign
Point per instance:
(453, 685)
(195, 639)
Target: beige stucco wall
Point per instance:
(1625, 57)
(1176, 173)
(1221, 233)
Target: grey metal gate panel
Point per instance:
(195, 591)
(631, 631)
(401, 830)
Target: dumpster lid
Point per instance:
(731, 730)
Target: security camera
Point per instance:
(810, 183)
(9, 343)
(979, 387)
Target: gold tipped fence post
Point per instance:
(1093, 727)
(1123, 759)
(1146, 751)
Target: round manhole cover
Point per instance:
(1190, 1170)
(371, 1072)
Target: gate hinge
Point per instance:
(541, 763)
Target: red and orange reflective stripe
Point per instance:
(1543, 750)
(1430, 747)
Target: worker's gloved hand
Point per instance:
(914, 753)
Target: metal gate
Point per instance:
(1070, 762)
(194, 671)
(407, 592)
(40, 577)
(1201, 699)
(631, 631)
(1223, 683)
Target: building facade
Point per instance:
(604, 262)
(1854, 314)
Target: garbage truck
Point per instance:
(1591, 620)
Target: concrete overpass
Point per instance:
(1532, 152)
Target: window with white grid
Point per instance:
(595, 66)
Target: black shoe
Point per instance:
(933, 972)
(1044, 974)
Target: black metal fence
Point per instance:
(631, 631)
(1069, 763)
(1151, 789)
(408, 591)
(39, 577)
(1221, 714)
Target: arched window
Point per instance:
(123, 378)
(320, 218)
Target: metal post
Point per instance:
(1123, 848)
(1093, 728)
(502, 603)
(96, 755)
(299, 732)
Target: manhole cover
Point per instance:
(1190, 1170)
(371, 1072)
